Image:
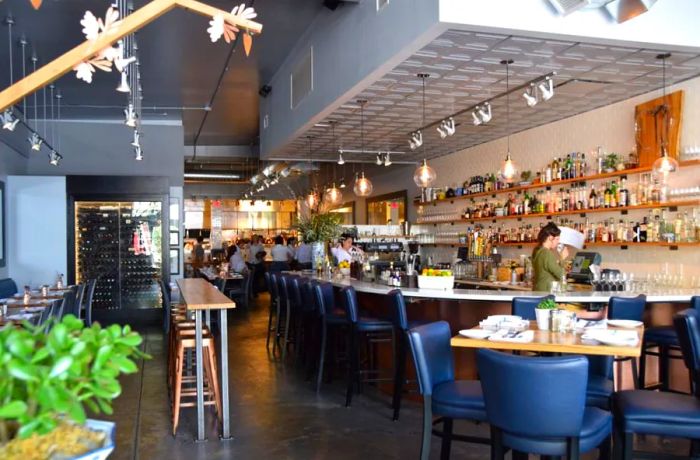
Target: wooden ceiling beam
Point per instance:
(129, 24)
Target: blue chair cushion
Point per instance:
(662, 335)
(459, 399)
(337, 316)
(8, 288)
(598, 391)
(658, 413)
(596, 427)
(368, 324)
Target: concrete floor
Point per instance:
(275, 413)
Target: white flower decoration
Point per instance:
(84, 71)
(216, 29)
(243, 12)
(91, 25)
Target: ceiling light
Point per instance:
(124, 84)
(416, 140)
(485, 112)
(274, 180)
(531, 96)
(333, 195)
(342, 183)
(285, 172)
(136, 142)
(547, 89)
(477, 121)
(508, 168)
(424, 175)
(378, 161)
(441, 130)
(624, 10)
(35, 141)
(311, 199)
(363, 186)
(138, 153)
(130, 116)
(204, 175)
(122, 62)
(54, 158)
(341, 160)
(446, 128)
(387, 159)
(9, 122)
(665, 164)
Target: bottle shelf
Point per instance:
(587, 245)
(582, 212)
(544, 185)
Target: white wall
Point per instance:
(36, 228)
(11, 162)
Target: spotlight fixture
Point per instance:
(387, 159)
(9, 121)
(485, 112)
(138, 153)
(54, 158)
(130, 116)
(546, 88)
(342, 183)
(122, 62)
(341, 161)
(35, 141)
(378, 161)
(531, 96)
(136, 142)
(124, 84)
(477, 121)
(274, 180)
(446, 128)
(416, 140)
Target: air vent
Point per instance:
(565, 7)
(302, 78)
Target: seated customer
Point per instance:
(236, 262)
(303, 256)
(281, 255)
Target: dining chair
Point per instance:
(443, 396)
(666, 340)
(628, 308)
(79, 298)
(538, 405)
(88, 304)
(271, 281)
(525, 306)
(68, 304)
(663, 413)
(329, 318)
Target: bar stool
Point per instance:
(300, 311)
(376, 330)
(629, 308)
(666, 340)
(284, 312)
(212, 394)
(328, 316)
(271, 280)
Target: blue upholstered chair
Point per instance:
(630, 308)
(8, 288)
(271, 281)
(663, 413)
(537, 405)
(443, 396)
(600, 381)
(666, 340)
(381, 331)
(525, 306)
(299, 312)
(284, 311)
(91, 294)
(329, 316)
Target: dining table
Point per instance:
(199, 295)
(556, 342)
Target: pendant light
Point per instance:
(363, 186)
(424, 174)
(509, 169)
(311, 199)
(665, 164)
(333, 194)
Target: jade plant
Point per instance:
(547, 304)
(54, 372)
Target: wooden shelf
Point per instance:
(520, 188)
(582, 212)
(587, 245)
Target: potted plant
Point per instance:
(543, 312)
(526, 177)
(317, 229)
(49, 375)
(613, 162)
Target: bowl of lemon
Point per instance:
(433, 278)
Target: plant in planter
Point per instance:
(613, 162)
(526, 177)
(543, 312)
(50, 374)
(317, 229)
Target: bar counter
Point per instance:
(464, 308)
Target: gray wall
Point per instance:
(352, 47)
(11, 162)
(103, 148)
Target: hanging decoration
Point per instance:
(424, 174)
(509, 169)
(36, 4)
(220, 26)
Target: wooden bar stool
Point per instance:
(183, 385)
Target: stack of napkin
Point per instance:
(614, 337)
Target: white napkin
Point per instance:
(615, 337)
(21, 316)
(504, 335)
(589, 324)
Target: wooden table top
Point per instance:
(554, 342)
(199, 294)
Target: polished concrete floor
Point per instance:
(275, 413)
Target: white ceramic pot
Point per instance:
(542, 316)
(318, 254)
(345, 271)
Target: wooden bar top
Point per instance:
(199, 294)
(554, 342)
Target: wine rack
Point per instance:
(119, 244)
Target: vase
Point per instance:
(318, 254)
(542, 315)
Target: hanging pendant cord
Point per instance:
(508, 105)
(362, 132)
(423, 122)
(10, 21)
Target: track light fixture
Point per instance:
(136, 142)
(530, 96)
(54, 158)
(342, 183)
(387, 159)
(341, 160)
(35, 141)
(485, 112)
(9, 121)
(416, 140)
(130, 116)
(546, 88)
(138, 153)
(446, 128)
(124, 83)
(378, 161)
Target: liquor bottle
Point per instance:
(643, 230)
(548, 173)
(606, 195)
(569, 166)
(613, 194)
(592, 199)
(556, 174)
(599, 160)
(584, 165)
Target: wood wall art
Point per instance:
(651, 131)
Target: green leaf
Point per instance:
(125, 365)
(13, 409)
(78, 348)
(91, 406)
(77, 413)
(29, 428)
(102, 357)
(61, 366)
(20, 346)
(133, 340)
(105, 406)
(72, 322)
(40, 355)
(22, 371)
(58, 335)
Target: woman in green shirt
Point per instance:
(547, 263)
